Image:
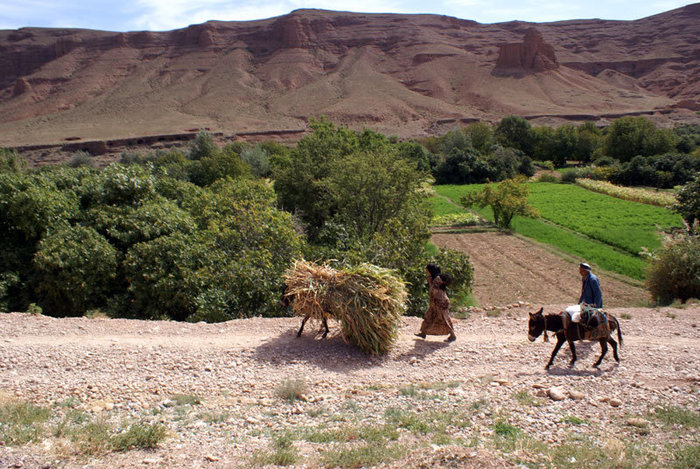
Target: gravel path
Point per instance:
(117, 369)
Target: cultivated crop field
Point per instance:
(604, 230)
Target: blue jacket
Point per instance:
(590, 291)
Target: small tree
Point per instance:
(506, 200)
(674, 271)
(688, 203)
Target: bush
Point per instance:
(75, 267)
(11, 161)
(548, 177)
(258, 159)
(81, 159)
(674, 272)
(688, 203)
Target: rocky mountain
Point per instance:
(407, 75)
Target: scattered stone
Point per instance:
(637, 422)
(556, 394)
(615, 402)
(576, 395)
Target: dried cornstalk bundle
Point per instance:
(368, 301)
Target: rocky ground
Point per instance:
(218, 388)
(226, 394)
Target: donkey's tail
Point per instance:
(619, 332)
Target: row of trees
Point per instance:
(201, 235)
(633, 149)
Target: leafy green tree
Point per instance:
(515, 132)
(543, 143)
(631, 136)
(371, 188)
(220, 165)
(162, 276)
(506, 200)
(674, 271)
(301, 181)
(203, 146)
(415, 152)
(688, 203)
(75, 268)
(590, 140)
(565, 144)
(480, 135)
(463, 167)
(258, 159)
(11, 161)
(126, 225)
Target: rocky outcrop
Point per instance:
(21, 87)
(533, 55)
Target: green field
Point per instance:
(606, 231)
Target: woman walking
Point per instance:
(437, 319)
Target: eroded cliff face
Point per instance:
(533, 55)
(398, 73)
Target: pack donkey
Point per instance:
(286, 301)
(599, 327)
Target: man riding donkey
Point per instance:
(584, 321)
(587, 313)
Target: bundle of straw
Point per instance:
(368, 301)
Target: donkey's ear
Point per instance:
(540, 311)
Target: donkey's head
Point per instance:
(535, 325)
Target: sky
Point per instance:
(165, 15)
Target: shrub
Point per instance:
(291, 390)
(81, 159)
(75, 267)
(674, 272)
(258, 159)
(548, 177)
(688, 203)
(11, 161)
(569, 176)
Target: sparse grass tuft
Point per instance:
(22, 422)
(291, 390)
(185, 399)
(525, 398)
(365, 455)
(672, 415)
(573, 420)
(506, 430)
(493, 313)
(625, 316)
(139, 435)
(282, 453)
(687, 457)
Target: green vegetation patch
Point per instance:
(579, 228)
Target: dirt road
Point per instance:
(442, 405)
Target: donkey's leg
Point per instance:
(325, 325)
(572, 347)
(560, 342)
(303, 321)
(612, 342)
(603, 351)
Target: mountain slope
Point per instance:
(400, 74)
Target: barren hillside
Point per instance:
(406, 75)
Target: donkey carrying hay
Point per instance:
(367, 300)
